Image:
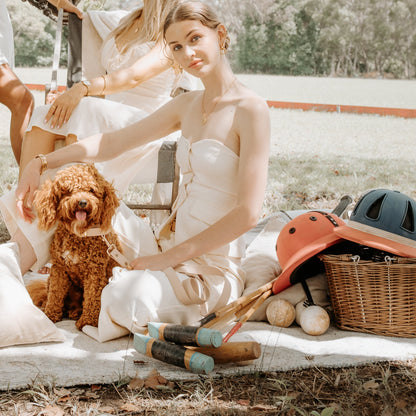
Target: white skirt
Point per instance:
(133, 298)
(91, 116)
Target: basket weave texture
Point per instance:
(374, 297)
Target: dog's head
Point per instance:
(79, 197)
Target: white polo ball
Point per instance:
(314, 320)
(281, 313)
(300, 308)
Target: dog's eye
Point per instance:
(92, 191)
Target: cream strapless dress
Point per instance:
(182, 295)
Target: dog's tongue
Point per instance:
(81, 215)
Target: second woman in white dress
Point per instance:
(137, 77)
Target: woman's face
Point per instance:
(194, 46)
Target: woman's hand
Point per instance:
(156, 262)
(25, 192)
(63, 106)
(68, 6)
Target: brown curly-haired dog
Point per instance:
(78, 199)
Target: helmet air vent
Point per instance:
(374, 210)
(409, 222)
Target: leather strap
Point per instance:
(94, 232)
(112, 250)
(195, 289)
(116, 255)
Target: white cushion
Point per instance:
(21, 321)
(261, 266)
(260, 263)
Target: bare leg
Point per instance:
(71, 138)
(19, 100)
(27, 254)
(37, 141)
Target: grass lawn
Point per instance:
(317, 157)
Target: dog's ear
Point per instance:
(46, 204)
(110, 203)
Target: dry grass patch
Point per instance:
(372, 390)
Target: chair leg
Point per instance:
(175, 184)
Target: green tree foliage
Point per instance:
(366, 36)
(329, 37)
(304, 56)
(297, 37)
(34, 35)
(285, 42)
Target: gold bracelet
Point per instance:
(43, 162)
(87, 85)
(105, 84)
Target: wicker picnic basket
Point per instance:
(378, 297)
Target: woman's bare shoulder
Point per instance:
(251, 103)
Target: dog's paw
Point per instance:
(74, 314)
(86, 320)
(53, 315)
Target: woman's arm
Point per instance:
(254, 130)
(100, 147)
(153, 63)
(68, 6)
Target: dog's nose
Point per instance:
(82, 203)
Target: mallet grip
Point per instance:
(232, 352)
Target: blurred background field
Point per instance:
(316, 157)
(393, 93)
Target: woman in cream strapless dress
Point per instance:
(207, 192)
(191, 265)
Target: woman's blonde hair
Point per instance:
(152, 15)
(194, 10)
